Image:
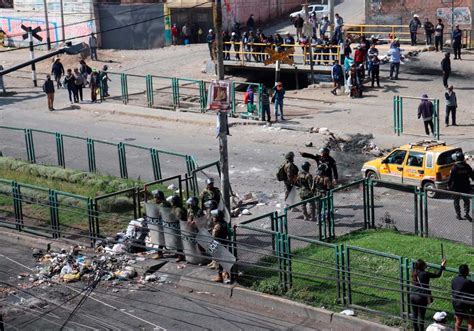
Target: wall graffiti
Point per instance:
(462, 15)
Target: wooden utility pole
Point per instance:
(223, 120)
(63, 28)
(331, 15)
(46, 20)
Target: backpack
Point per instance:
(281, 174)
(246, 97)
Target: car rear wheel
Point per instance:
(427, 186)
(371, 175)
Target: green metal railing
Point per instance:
(398, 117)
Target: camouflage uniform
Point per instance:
(181, 215)
(212, 193)
(291, 171)
(305, 183)
(220, 233)
(321, 185)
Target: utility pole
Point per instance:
(331, 15)
(63, 29)
(32, 57)
(223, 120)
(48, 37)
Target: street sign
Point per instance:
(34, 32)
(282, 57)
(219, 97)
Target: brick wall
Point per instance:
(401, 11)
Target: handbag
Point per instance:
(429, 296)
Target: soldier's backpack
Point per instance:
(281, 174)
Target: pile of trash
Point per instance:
(358, 143)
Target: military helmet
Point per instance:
(175, 200)
(290, 156)
(158, 194)
(458, 156)
(323, 167)
(192, 201)
(210, 204)
(305, 166)
(324, 150)
(219, 214)
(209, 181)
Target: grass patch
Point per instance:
(374, 278)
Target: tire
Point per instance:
(370, 174)
(430, 194)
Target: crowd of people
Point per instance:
(75, 81)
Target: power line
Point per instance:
(112, 29)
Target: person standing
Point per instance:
(372, 53)
(93, 46)
(211, 39)
(181, 216)
(299, 23)
(451, 106)
(321, 186)
(85, 71)
(79, 82)
(459, 181)
(339, 22)
(288, 173)
(446, 67)
(250, 23)
(48, 88)
(94, 85)
(220, 233)
(323, 27)
(413, 26)
(429, 30)
(210, 193)
(104, 81)
(375, 71)
(305, 183)
(70, 85)
(186, 32)
(278, 96)
(425, 111)
(313, 20)
(57, 71)
(265, 105)
(337, 75)
(438, 32)
(174, 35)
(324, 157)
(457, 42)
(235, 39)
(227, 45)
(359, 58)
(395, 59)
(420, 292)
(2, 84)
(463, 298)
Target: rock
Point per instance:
(309, 144)
(246, 212)
(172, 187)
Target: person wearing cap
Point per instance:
(439, 322)
(463, 298)
(446, 67)
(457, 42)
(438, 32)
(210, 193)
(104, 81)
(324, 157)
(337, 75)
(305, 183)
(93, 46)
(288, 173)
(459, 181)
(413, 26)
(359, 58)
(211, 40)
(429, 30)
(235, 39)
(299, 23)
(451, 106)
(372, 53)
(425, 111)
(321, 186)
(48, 88)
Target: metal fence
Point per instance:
(406, 122)
(115, 159)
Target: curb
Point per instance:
(32, 241)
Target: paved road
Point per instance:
(157, 307)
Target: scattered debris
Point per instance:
(348, 312)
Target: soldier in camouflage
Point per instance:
(321, 185)
(291, 172)
(181, 215)
(305, 183)
(210, 193)
(220, 234)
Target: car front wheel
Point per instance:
(372, 175)
(427, 186)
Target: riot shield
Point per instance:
(155, 224)
(190, 246)
(293, 197)
(171, 229)
(217, 250)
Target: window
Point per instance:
(318, 8)
(6, 3)
(429, 160)
(447, 157)
(415, 159)
(396, 157)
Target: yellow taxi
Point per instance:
(424, 164)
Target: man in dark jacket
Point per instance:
(463, 292)
(251, 23)
(459, 181)
(211, 41)
(57, 71)
(48, 88)
(413, 26)
(446, 67)
(457, 38)
(429, 30)
(324, 157)
(439, 30)
(451, 106)
(299, 23)
(425, 111)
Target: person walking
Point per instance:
(186, 33)
(451, 106)
(438, 32)
(288, 173)
(79, 82)
(57, 71)
(211, 40)
(48, 88)
(70, 85)
(337, 75)
(459, 181)
(446, 67)
(440, 322)
(278, 97)
(395, 59)
(425, 111)
(305, 183)
(429, 30)
(413, 26)
(93, 46)
(420, 293)
(94, 85)
(457, 42)
(265, 105)
(463, 298)
(299, 23)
